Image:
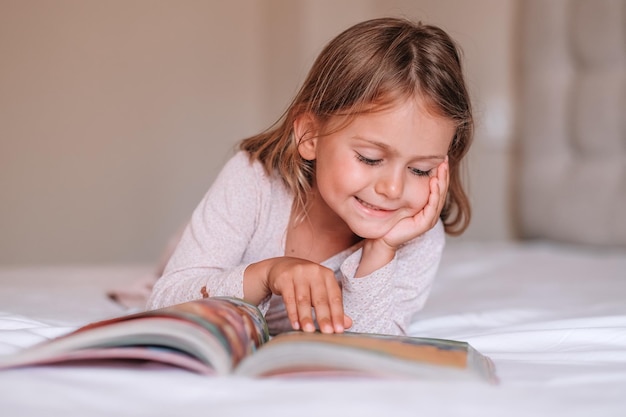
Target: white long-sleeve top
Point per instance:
(243, 219)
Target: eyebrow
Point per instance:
(388, 148)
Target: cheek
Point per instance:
(418, 193)
(344, 173)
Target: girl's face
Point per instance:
(376, 171)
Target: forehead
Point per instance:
(385, 105)
(405, 128)
(410, 113)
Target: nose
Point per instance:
(390, 184)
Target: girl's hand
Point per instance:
(305, 286)
(379, 252)
(411, 227)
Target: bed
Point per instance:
(549, 308)
(552, 318)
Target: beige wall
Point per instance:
(115, 116)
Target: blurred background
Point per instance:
(115, 116)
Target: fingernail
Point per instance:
(295, 325)
(309, 327)
(339, 328)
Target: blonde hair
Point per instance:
(371, 65)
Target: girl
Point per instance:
(335, 217)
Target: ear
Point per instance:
(305, 131)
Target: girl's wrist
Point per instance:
(255, 282)
(376, 254)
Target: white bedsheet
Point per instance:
(553, 319)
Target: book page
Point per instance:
(434, 351)
(297, 354)
(216, 332)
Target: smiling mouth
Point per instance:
(371, 207)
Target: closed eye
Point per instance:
(421, 173)
(367, 161)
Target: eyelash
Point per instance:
(368, 161)
(421, 173)
(374, 162)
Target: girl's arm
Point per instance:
(389, 279)
(209, 260)
(386, 300)
(233, 246)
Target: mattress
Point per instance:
(552, 318)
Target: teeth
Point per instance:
(368, 205)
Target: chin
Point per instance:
(370, 232)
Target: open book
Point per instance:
(223, 335)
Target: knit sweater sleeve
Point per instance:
(208, 259)
(386, 300)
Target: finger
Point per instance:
(304, 306)
(347, 322)
(430, 213)
(438, 191)
(289, 299)
(443, 175)
(444, 181)
(335, 299)
(319, 298)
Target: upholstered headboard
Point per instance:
(571, 173)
